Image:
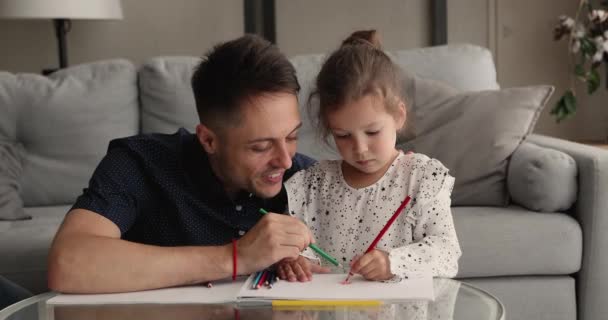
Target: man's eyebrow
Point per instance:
(270, 139)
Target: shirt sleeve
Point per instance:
(111, 190)
(435, 247)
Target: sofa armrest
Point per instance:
(591, 210)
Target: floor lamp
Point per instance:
(61, 12)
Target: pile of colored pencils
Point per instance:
(266, 278)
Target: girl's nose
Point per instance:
(360, 146)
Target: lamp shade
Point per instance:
(61, 9)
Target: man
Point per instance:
(163, 210)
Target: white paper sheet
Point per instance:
(329, 287)
(221, 292)
(322, 287)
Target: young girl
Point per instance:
(346, 202)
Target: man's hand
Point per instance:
(374, 265)
(274, 238)
(300, 269)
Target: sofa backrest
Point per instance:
(64, 123)
(165, 94)
(464, 67)
(167, 102)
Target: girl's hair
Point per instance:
(356, 69)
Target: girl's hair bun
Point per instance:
(364, 37)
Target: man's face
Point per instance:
(254, 154)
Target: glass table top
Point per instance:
(453, 300)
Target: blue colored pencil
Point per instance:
(269, 277)
(254, 284)
(262, 279)
(273, 279)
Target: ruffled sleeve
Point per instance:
(298, 199)
(435, 247)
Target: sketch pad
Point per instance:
(329, 287)
(322, 287)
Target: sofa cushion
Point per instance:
(65, 122)
(25, 245)
(167, 101)
(542, 179)
(420, 93)
(11, 163)
(515, 241)
(474, 134)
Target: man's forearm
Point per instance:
(94, 264)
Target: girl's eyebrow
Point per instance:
(373, 124)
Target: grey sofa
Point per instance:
(541, 265)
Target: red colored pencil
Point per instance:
(262, 279)
(390, 221)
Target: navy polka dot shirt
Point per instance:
(159, 189)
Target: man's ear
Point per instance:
(207, 138)
(401, 115)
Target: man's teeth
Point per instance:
(275, 175)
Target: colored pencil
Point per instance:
(273, 279)
(262, 279)
(254, 283)
(298, 303)
(390, 221)
(317, 249)
(269, 278)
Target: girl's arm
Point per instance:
(435, 246)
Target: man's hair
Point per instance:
(235, 71)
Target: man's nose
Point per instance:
(282, 156)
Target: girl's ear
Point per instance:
(207, 138)
(401, 115)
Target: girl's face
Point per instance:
(365, 133)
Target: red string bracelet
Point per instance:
(233, 259)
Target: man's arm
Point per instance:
(88, 256)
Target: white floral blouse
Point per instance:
(345, 220)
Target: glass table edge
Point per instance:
(498, 302)
(10, 310)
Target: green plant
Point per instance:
(587, 36)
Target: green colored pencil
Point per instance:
(316, 249)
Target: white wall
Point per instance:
(520, 34)
(316, 26)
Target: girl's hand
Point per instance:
(374, 265)
(300, 269)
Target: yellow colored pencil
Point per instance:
(300, 303)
